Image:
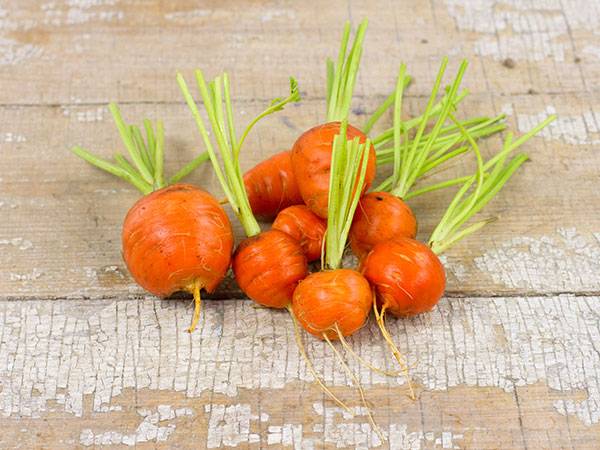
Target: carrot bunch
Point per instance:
(177, 237)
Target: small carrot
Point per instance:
(335, 302)
(407, 276)
(311, 153)
(177, 237)
(267, 266)
(305, 226)
(271, 186)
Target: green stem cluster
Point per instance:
(349, 162)
(489, 180)
(146, 172)
(217, 103)
(341, 77)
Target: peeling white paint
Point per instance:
(27, 276)
(85, 115)
(593, 50)
(524, 30)
(75, 12)
(18, 242)
(13, 52)
(187, 16)
(148, 429)
(9, 138)
(63, 350)
(578, 129)
(554, 263)
(229, 425)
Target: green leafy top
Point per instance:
(348, 171)
(489, 180)
(341, 77)
(147, 171)
(214, 95)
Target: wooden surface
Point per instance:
(510, 358)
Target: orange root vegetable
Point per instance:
(174, 237)
(380, 216)
(311, 161)
(305, 226)
(268, 267)
(339, 297)
(177, 237)
(407, 276)
(271, 186)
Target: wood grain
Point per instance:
(508, 360)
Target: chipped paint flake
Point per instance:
(572, 129)
(229, 426)
(545, 263)
(13, 52)
(149, 428)
(521, 30)
(187, 16)
(18, 242)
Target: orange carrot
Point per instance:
(380, 216)
(305, 226)
(311, 160)
(271, 186)
(177, 237)
(267, 265)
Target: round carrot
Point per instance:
(380, 216)
(324, 300)
(305, 226)
(407, 276)
(177, 237)
(311, 160)
(267, 266)
(271, 186)
(268, 282)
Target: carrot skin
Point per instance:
(324, 299)
(268, 267)
(305, 226)
(271, 186)
(379, 217)
(408, 278)
(311, 162)
(174, 236)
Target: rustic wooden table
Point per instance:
(509, 359)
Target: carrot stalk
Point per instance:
(147, 172)
(342, 77)
(348, 170)
(230, 174)
(490, 178)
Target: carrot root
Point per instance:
(197, 305)
(362, 361)
(359, 387)
(380, 318)
(310, 366)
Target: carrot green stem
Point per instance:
(222, 127)
(147, 171)
(348, 172)
(341, 78)
(490, 178)
(380, 111)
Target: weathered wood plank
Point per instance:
(60, 233)
(128, 51)
(501, 372)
